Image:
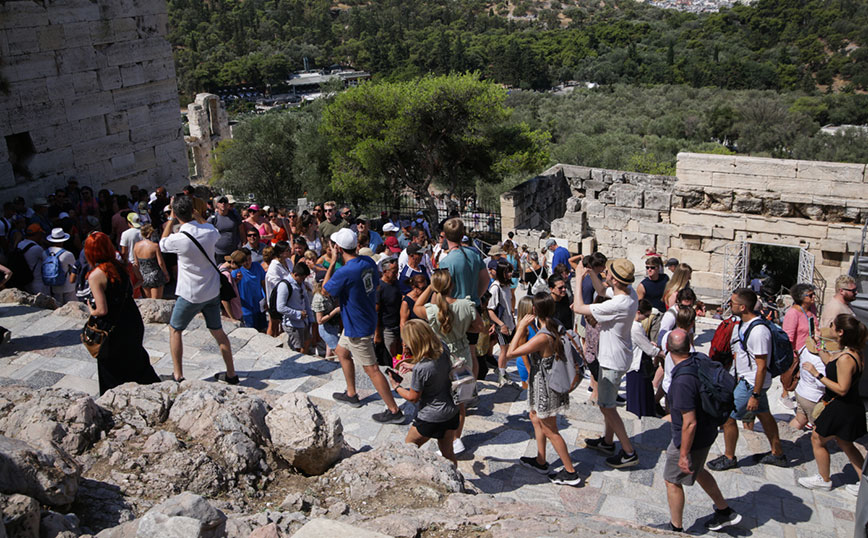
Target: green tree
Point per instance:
(452, 131)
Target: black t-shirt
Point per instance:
(684, 396)
(564, 312)
(389, 303)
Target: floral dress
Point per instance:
(546, 402)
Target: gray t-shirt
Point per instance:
(431, 380)
(228, 228)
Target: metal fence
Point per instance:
(480, 221)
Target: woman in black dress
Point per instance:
(843, 418)
(121, 358)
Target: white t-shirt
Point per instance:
(276, 272)
(641, 344)
(759, 343)
(129, 238)
(500, 296)
(198, 281)
(809, 387)
(667, 323)
(615, 318)
(67, 263)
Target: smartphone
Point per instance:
(811, 326)
(394, 375)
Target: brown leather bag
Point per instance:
(93, 337)
(790, 378)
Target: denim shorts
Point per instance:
(742, 394)
(184, 311)
(608, 384)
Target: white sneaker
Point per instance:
(815, 482)
(852, 489)
(457, 447)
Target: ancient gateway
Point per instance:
(707, 215)
(91, 94)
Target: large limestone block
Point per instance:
(44, 472)
(696, 259)
(305, 437)
(828, 171)
(704, 162)
(693, 178)
(763, 166)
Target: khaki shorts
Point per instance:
(673, 474)
(361, 349)
(806, 406)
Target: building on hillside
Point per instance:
(91, 95)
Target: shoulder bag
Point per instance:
(227, 292)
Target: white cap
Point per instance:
(389, 227)
(345, 238)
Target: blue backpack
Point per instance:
(716, 386)
(52, 270)
(780, 358)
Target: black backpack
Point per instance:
(22, 273)
(272, 298)
(716, 386)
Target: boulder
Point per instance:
(66, 417)
(229, 420)
(155, 310)
(367, 474)
(73, 309)
(309, 440)
(161, 442)
(140, 406)
(20, 516)
(55, 525)
(16, 296)
(156, 525)
(44, 471)
(268, 531)
(212, 522)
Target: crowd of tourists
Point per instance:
(425, 301)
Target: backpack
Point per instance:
(52, 270)
(716, 386)
(721, 348)
(272, 298)
(22, 273)
(463, 385)
(780, 358)
(540, 285)
(565, 375)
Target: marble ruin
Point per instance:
(91, 94)
(713, 203)
(209, 125)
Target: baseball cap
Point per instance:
(621, 270)
(34, 229)
(413, 248)
(551, 242)
(254, 207)
(671, 261)
(389, 227)
(222, 200)
(392, 244)
(492, 264)
(133, 219)
(345, 238)
(362, 218)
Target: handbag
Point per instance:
(818, 409)
(227, 292)
(646, 367)
(463, 385)
(93, 337)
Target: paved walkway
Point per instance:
(45, 352)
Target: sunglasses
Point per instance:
(851, 290)
(329, 210)
(560, 287)
(252, 235)
(650, 267)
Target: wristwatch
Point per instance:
(820, 376)
(755, 395)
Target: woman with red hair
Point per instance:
(121, 358)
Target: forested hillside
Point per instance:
(773, 44)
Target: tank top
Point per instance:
(654, 291)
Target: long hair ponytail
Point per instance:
(544, 308)
(441, 281)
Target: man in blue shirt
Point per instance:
(355, 287)
(561, 255)
(363, 225)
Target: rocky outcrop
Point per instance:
(155, 310)
(44, 472)
(20, 516)
(73, 309)
(307, 439)
(66, 417)
(140, 406)
(16, 296)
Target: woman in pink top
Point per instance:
(797, 323)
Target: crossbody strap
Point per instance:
(202, 250)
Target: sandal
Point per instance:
(226, 379)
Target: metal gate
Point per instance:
(736, 257)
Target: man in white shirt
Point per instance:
(845, 293)
(615, 318)
(65, 293)
(198, 287)
(131, 236)
(751, 346)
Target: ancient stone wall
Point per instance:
(92, 94)
(713, 201)
(209, 125)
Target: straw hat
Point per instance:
(622, 270)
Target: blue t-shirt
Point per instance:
(684, 396)
(561, 255)
(355, 286)
(464, 265)
(250, 290)
(376, 240)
